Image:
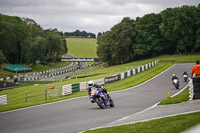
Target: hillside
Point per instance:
(82, 47)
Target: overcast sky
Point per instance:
(89, 15)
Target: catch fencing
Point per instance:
(71, 88)
(51, 91)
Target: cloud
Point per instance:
(89, 15)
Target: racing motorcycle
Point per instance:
(185, 77)
(101, 98)
(176, 83)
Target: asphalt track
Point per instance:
(75, 115)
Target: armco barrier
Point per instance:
(68, 89)
(75, 87)
(3, 99)
(119, 77)
(99, 81)
(125, 75)
(111, 79)
(122, 76)
(83, 86)
(136, 70)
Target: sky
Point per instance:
(90, 15)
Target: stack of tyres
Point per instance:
(196, 87)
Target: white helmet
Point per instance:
(173, 74)
(90, 83)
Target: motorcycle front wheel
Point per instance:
(100, 103)
(111, 103)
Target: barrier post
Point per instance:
(26, 96)
(46, 94)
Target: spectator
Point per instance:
(196, 69)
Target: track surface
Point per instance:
(71, 116)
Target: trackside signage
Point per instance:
(73, 60)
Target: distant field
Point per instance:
(82, 47)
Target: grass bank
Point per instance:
(175, 124)
(82, 47)
(182, 97)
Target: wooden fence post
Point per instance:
(26, 96)
(46, 94)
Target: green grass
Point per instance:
(175, 124)
(179, 58)
(4, 73)
(16, 97)
(182, 97)
(82, 47)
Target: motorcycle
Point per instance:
(176, 83)
(185, 77)
(101, 98)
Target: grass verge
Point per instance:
(182, 97)
(175, 124)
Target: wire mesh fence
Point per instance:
(49, 92)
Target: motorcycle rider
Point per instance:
(101, 88)
(174, 77)
(185, 75)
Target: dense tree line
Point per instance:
(173, 31)
(78, 33)
(22, 40)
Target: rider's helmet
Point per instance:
(90, 83)
(173, 75)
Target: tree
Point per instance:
(197, 46)
(148, 39)
(2, 58)
(65, 46)
(54, 45)
(115, 46)
(36, 50)
(178, 27)
(103, 48)
(122, 41)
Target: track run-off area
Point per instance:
(78, 114)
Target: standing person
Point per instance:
(196, 69)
